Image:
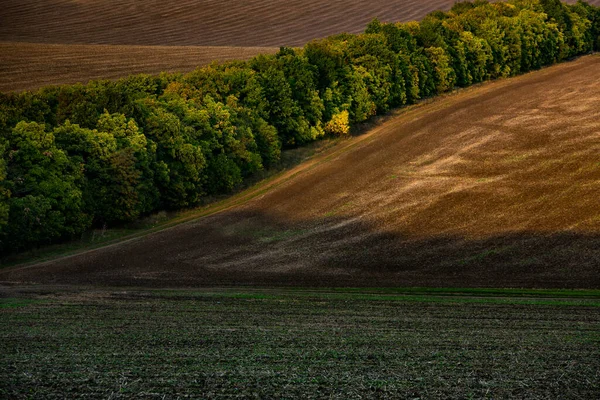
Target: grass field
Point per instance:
(87, 343)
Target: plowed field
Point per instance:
(198, 22)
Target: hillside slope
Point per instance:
(494, 186)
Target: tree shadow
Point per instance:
(252, 248)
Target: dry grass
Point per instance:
(28, 66)
(494, 186)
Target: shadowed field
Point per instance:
(494, 186)
(28, 66)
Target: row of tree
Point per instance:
(78, 156)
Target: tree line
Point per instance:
(74, 157)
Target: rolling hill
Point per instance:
(492, 186)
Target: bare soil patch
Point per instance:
(198, 22)
(494, 186)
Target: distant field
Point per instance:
(239, 30)
(28, 66)
(496, 185)
(198, 22)
(237, 24)
(238, 343)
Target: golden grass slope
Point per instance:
(496, 185)
(28, 66)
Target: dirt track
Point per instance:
(494, 186)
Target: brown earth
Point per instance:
(251, 23)
(200, 22)
(28, 66)
(239, 30)
(492, 186)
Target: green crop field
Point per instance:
(417, 343)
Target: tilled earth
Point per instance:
(200, 22)
(492, 186)
(51, 42)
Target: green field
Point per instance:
(359, 343)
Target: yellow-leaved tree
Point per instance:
(339, 124)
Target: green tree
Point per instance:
(45, 203)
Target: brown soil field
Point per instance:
(200, 22)
(492, 186)
(239, 24)
(212, 30)
(29, 66)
